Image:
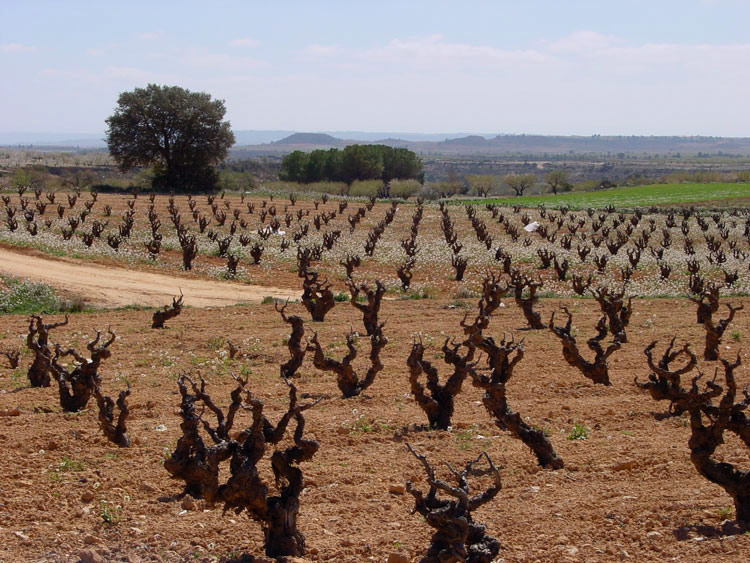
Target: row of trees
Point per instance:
(355, 162)
(485, 184)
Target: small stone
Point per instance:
(91, 540)
(572, 550)
(346, 543)
(653, 534)
(396, 489)
(161, 428)
(90, 556)
(87, 496)
(625, 465)
(22, 536)
(52, 445)
(397, 558)
(10, 412)
(147, 487)
(188, 503)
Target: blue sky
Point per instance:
(553, 67)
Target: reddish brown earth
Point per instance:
(627, 493)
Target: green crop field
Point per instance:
(635, 196)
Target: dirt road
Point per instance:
(106, 286)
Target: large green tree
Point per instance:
(355, 162)
(180, 133)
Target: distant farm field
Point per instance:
(637, 196)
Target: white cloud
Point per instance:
(129, 73)
(429, 51)
(583, 42)
(581, 83)
(244, 42)
(17, 48)
(318, 50)
(586, 53)
(215, 62)
(149, 35)
(434, 50)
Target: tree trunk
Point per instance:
(281, 533)
(39, 373)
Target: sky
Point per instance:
(557, 67)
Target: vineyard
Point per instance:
(453, 382)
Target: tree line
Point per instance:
(354, 162)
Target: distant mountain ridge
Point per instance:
(250, 143)
(310, 139)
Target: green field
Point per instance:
(636, 196)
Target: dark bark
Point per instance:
(459, 263)
(38, 342)
(13, 357)
(520, 283)
(707, 300)
(76, 386)
(598, 370)
(317, 297)
(664, 382)
(370, 309)
(612, 304)
(457, 536)
(436, 400)
(296, 349)
(160, 317)
(404, 272)
(714, 332)
(189, 250)
(347, 379)
(192, 460)
(115, 432)
(245, 490)
(351, 262)
(501, 365)
(708, 423)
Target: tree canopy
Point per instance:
(558, 180)
(482, 184)
(519, 183)
(180, 133)
(354, 162)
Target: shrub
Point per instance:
(366, 188)
(404, 188)
(430, 192)
(335, 188)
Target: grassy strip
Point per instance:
(23, 297)
(632, 196)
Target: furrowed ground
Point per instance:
(628, 490)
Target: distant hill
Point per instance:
(248, 137)
(252, 143)
(471, 140)
(322, 139)
(85, 140)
